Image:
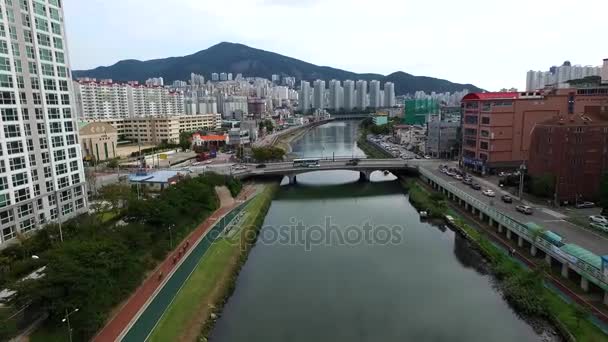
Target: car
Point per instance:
(584, 205)
(458, 177)
(427, 157)
(260, 166)
(506, 198)
(599, 226)
(476, 186)
(524, 209)
(598, 219)
(467, 181)
(488, 192)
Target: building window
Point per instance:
(485, 134)
(8, 232)
(485, 120)
(483, 156)
(12, 131)
(6, 81)
(24, 210)
(22, 195)
(3, 183)
(6, 217)
(470, 119)
(14, 147)
(17, 163)
(483, 145)
(19, 179)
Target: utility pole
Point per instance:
(522, 169)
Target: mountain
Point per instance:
(239, 58)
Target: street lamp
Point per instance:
(66, 319)
(171, 235)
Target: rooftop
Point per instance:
(155, 177)
(491, 96)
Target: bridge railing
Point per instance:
(590, 271)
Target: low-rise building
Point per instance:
(98, 141)
(573, 150)
(380, 118)
(159, 129)
(442, 137)
(237, 136)
(497, 127)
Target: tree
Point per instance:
(112, 164)
(604, 191)
(185, 140)
(263, 154)
(116, 194)
(543, 186)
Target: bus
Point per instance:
(306, 162)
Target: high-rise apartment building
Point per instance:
(349, 95)
(374, 94)
(106, 99)
(304, 98)
(41, 171)
(215, 76)
(361, 102)
(197, 80)
(223, 76)
(334, 95)
(229, 76)
(389, 94)
(318, 101)
(558, 76)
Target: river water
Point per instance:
(339, 260)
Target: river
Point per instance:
(339, 260)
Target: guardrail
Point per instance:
(590, 272)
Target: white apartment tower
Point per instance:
(304, 97)
(349, 95)
(318, 101)
(361, 102)
(334, 95)
(41, 171)
(374, 94)
(389, 94)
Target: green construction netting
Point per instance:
(583, 254)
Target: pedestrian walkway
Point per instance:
(142, 296)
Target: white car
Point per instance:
(600, 226)
(489, 193)
(598, 219)
(458, 177)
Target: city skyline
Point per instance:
(481, 68)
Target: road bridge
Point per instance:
(365, 167)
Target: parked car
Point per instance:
(598, 219)
(524, 209)
(583, 205)
(599, 226)
(467, 181)
(458, 177)
(489, 193)
(476, 186)
(260, 166)
(506, 198)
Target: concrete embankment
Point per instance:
(283, 139)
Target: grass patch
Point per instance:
(433, 203)
(212, 280)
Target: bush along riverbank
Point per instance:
(523, 288)
(256, 213)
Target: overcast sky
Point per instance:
(489, 43)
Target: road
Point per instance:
(545, 217)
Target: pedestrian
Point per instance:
(160, 275)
